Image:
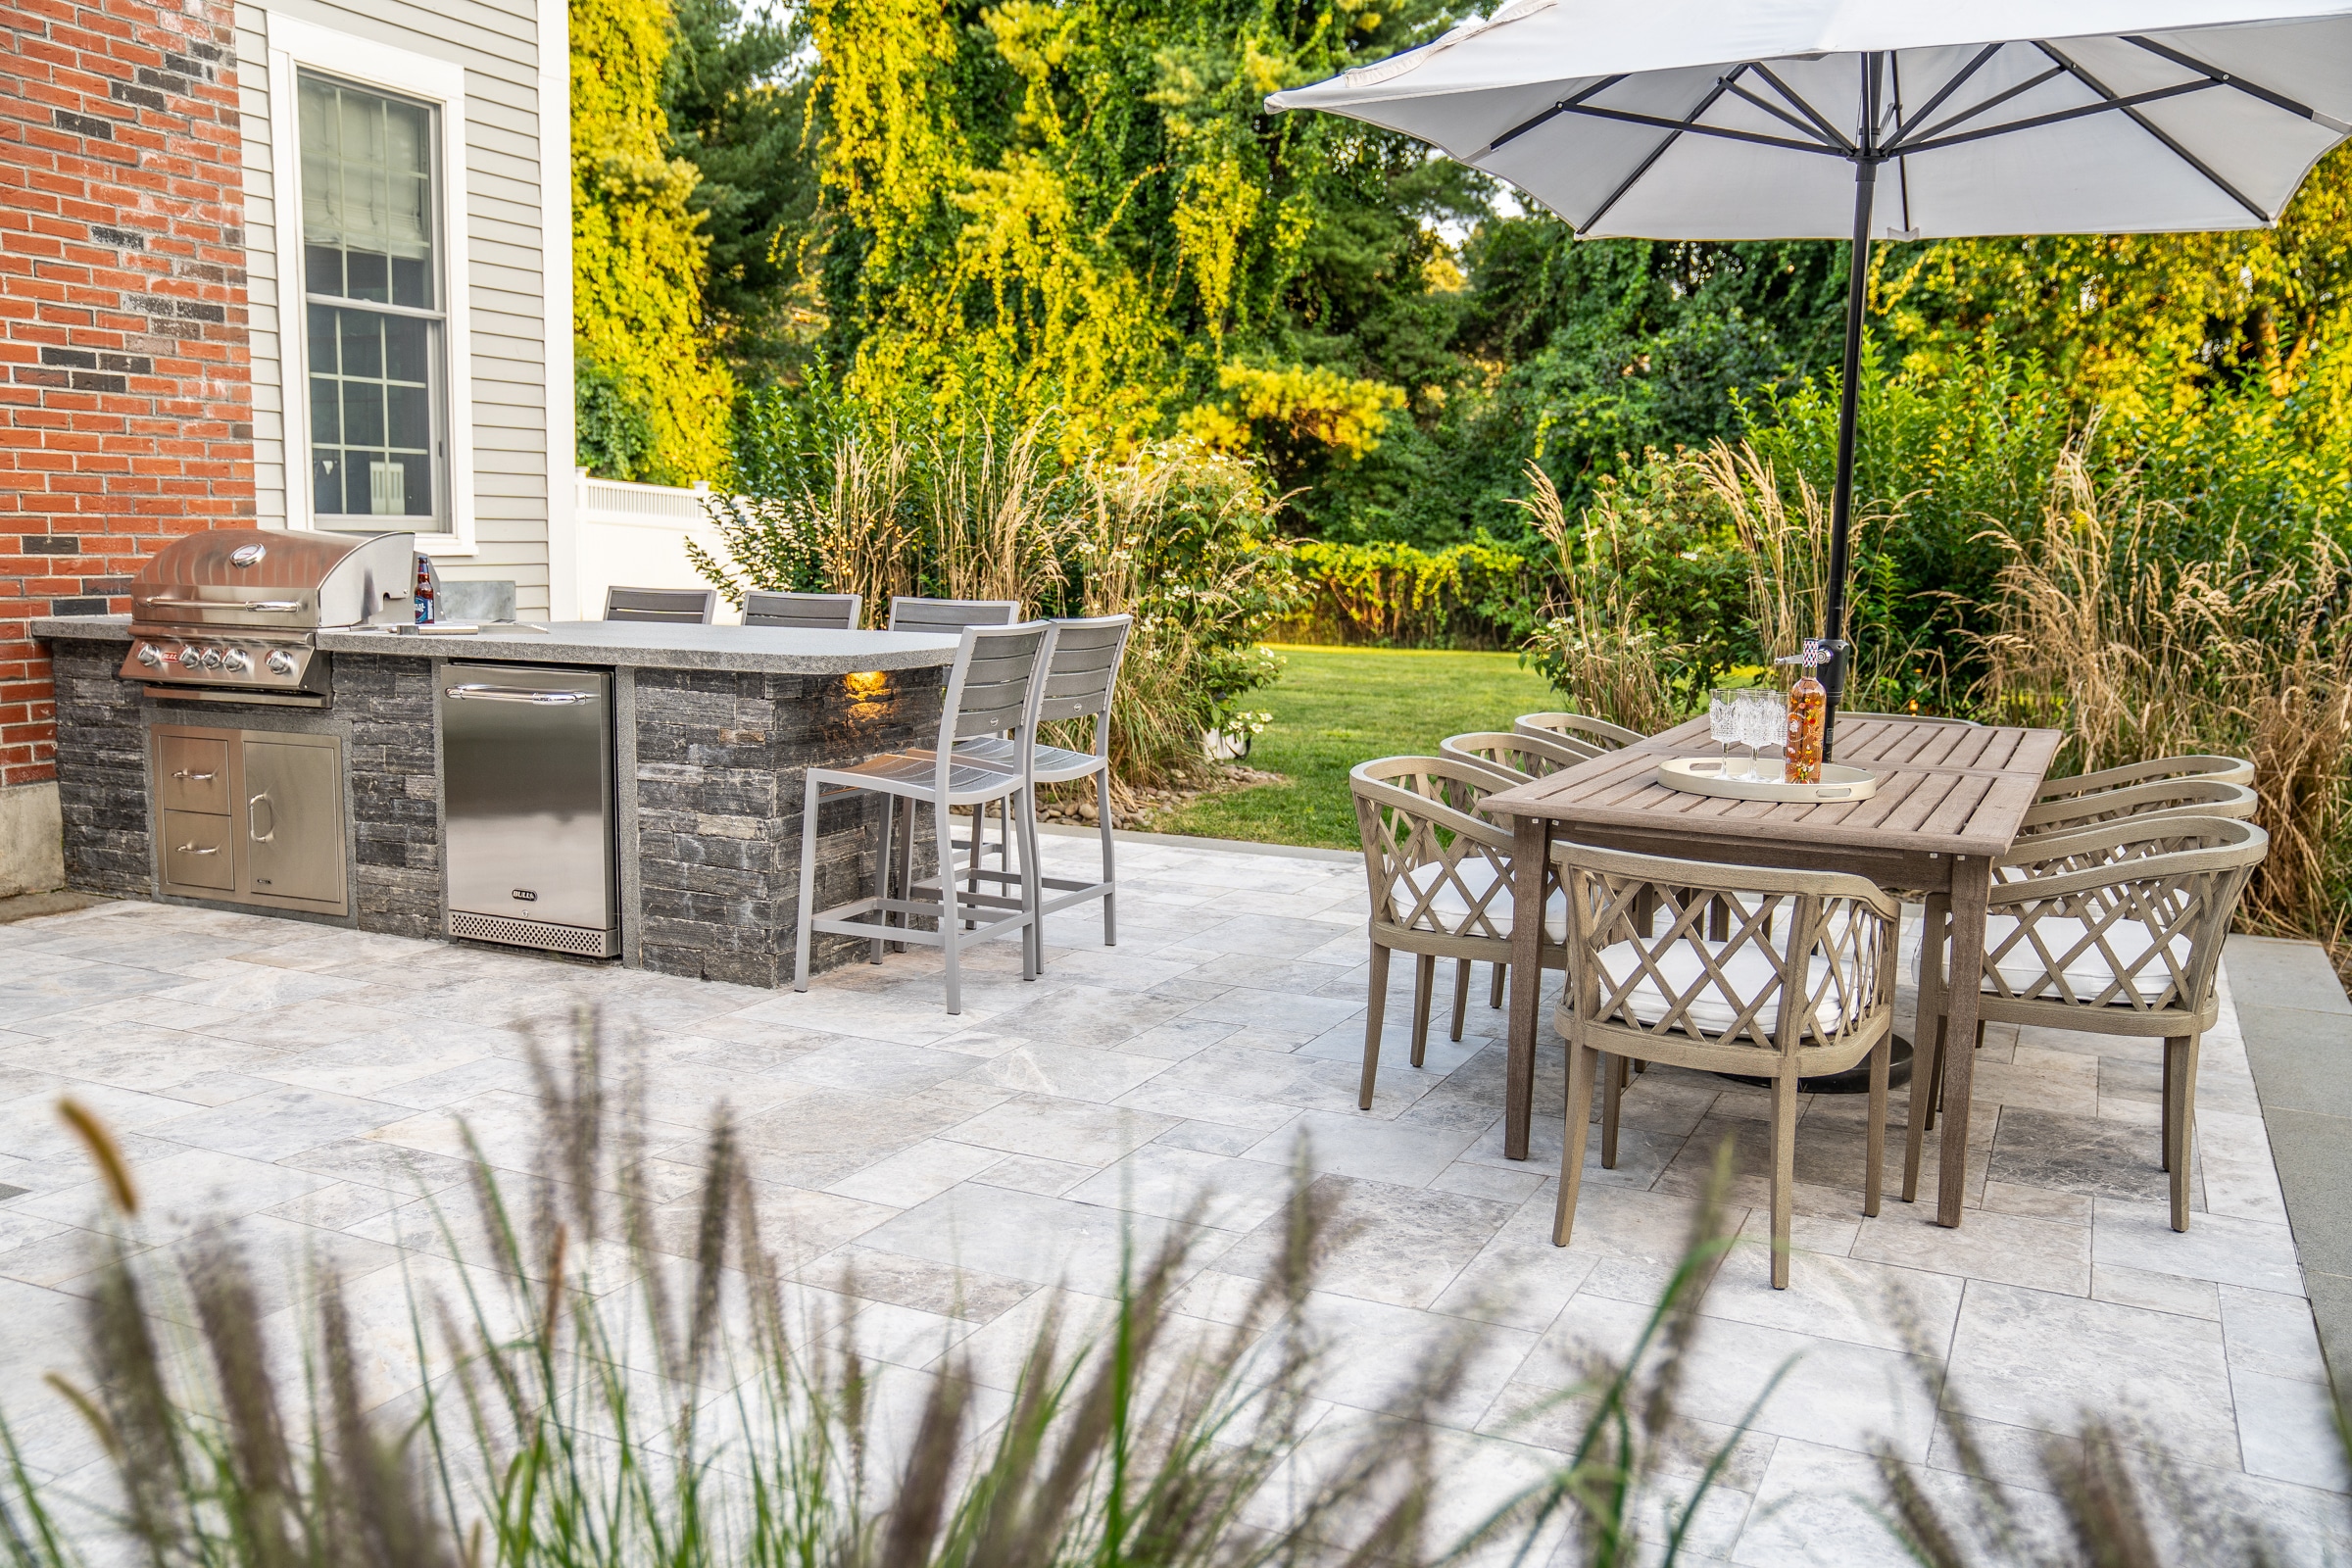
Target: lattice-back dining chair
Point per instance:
(994, 688)
(1580, 731)
(674, 607)
(2117, 930)
(805, 611)
(1526, 754)
(1081, 684)
(951, 615)
(2169, 796)
(1440, 881)
(2205, 766)
(1802, 982)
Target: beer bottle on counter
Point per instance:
(426, 583)
(1808, 718)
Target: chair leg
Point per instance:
(1376, 1008)
(882, 868)
(1425, 979)
(1784, 1173)
(1461, 995)
(1874, 1159)
(1613, 1091)
(2164, 1136)
(951, 927)
(1033, 884)
(800, 941)
(901, 867)
(2180, 1097)
(971, 884)
(1579, 1127)
(1111, 875)
(1494, 985)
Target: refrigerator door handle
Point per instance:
(476, 693)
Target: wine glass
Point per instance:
(1723, 721)
(1753, 716)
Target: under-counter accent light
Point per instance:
(866, 683)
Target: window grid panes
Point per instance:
(367, 231)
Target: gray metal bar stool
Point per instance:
(951, 615)
(810, 612)
(1080, 684)
(993, 689)
(675, 606)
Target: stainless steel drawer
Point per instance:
(191, 772)
(199, 852)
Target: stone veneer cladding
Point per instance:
(720, 762)
(383, 710)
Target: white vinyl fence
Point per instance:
(634, 536)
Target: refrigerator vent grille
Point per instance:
(533, 934)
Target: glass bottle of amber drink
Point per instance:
(1809, 716)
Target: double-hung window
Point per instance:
(375, 324)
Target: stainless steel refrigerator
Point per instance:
(526, 770)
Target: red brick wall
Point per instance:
(126, 384)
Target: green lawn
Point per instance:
(1337, 707)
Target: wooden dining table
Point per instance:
(1949, 803)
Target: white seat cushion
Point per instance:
(1450, 907)
(1747, 969)
(2026, 973)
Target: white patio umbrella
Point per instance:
(1729, 119)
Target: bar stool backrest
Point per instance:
(951, 615)
(674, 607)
(1085, 674)
(994, 686)
(812, 612)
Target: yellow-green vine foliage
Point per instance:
(637, 255)
(1046, 210)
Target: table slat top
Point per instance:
(1947, 789)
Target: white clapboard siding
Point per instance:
(506, 286)
(634, 536)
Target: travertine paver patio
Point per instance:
(305, 1079)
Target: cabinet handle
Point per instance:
(257, 801)
(195, 778)
(473, 691)
(190, 849)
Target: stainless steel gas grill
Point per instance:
(233, 616)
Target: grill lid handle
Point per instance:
(228, 604)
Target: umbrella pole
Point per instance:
(1841, 497)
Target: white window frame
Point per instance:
(294, 46)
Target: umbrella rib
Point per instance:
(1659, 151)
(1903, 143)
(1783, 117)
(2276, 100)
(1959, 79)
(1556, 110)
(1724, 132)
(2084, 112)
(2127, 105)
(1819, 120)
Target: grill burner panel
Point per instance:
(230, 615)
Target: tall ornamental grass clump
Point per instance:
(622, 1377)
(839, 498)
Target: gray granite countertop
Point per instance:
(766, 650)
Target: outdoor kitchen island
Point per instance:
(712, 727)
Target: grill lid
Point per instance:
(288, 579)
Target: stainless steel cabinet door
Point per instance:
(526, 768)
(294, 820)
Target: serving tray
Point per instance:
(1705, 776)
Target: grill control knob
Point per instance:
(190, 659)
(210, 659)
(280, 662)
(152, 657)
(236, 661)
